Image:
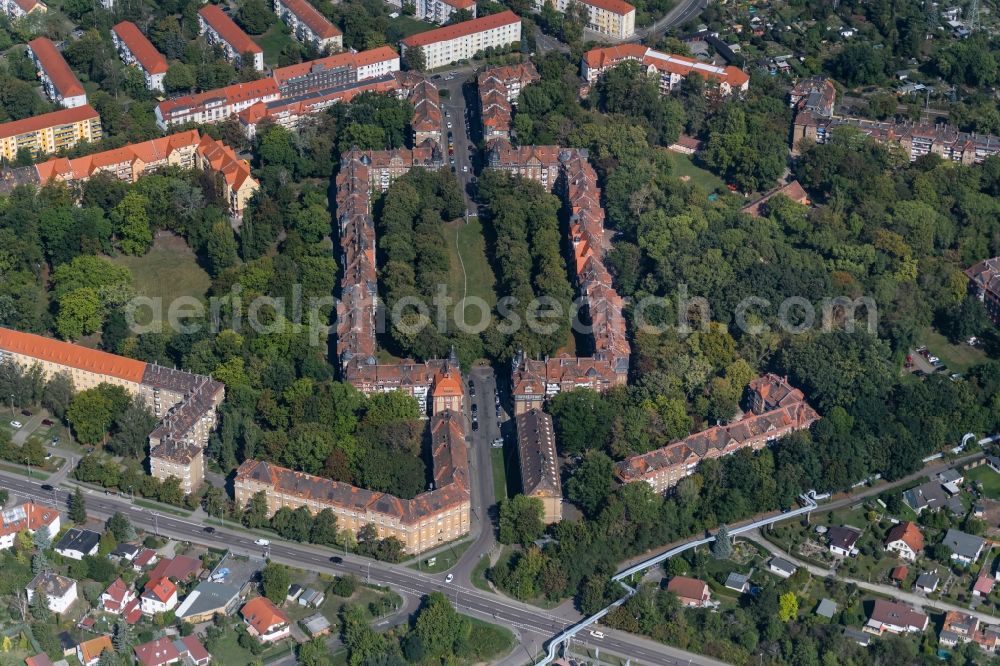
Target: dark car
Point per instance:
(336, 559)
(475, 408)
(475, 426)
(46, 422)
(46, 487)
(25, 412)
(209, 530)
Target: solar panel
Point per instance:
(14, 515)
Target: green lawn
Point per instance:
(228, 652)
(958, 358)
(470, 275)
(404, 26)
(685, 169)
(273, 41)
(499, 474)
(444, 560)
(168, 271)
(986, 476)
(479, 574)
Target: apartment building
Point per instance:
(135, 49)
(289, 92)
(441, 11)
(16, 9)
(185, 150)
(984, 283)
(461, 41)
(499, 88)
(670, 69)
(536, 447)
(424, 522)
(222, 31)
(777, 409)
(184, 403)
(915, 139)
(58, 80)
(428, 119)
(308, 25)
(614, 18)
(49, 132)
(815, 95)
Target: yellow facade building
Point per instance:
(49, 132)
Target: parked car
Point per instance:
(25, 412)
(46, 422)
(933, 359)
(475, 426)
(475, 408)
(15, 424)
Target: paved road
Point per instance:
(454, 112)
(916, 600)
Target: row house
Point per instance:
(135, 49)
(777, 410)
(613, 18)
(58, 80)
(214, 106)
(461, 41)
(18, 9)
(426, 521)
(984, 284)
(184, 403)
(815, 95)
(308, 25)
(236, 45)
(670, 69)
(428, 118)
(536, 381)
(499, 88)
(915, 139)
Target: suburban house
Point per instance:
(841, 540)
(905, 540)
(146, 557)
(89, 652)
(124, 552)
(781, 567)
(77, 544)
(738, 582)
(222, 591)
(965, 548)
(932, 496)
(927, 582)
(60, 591)
(159, 596)
(895, 618)
(27, 517)
(961, 628)
(170, 650)
(117, 597)
(265, 621)
(690, 591)
(178, 568)
(983, 586)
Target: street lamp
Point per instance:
(156, 524)
(12, 414)
(368, 575)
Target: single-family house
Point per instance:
(172, 650)
(906, 540)
(178, 568)
(781, 567)
(159, 596)
(841, 540)
(89, 652)
(147, 557)
(965, 548)
(690, 591)
(117, 597)
(265, 621)
(738, 582)
(983, 586)
(124, 552)
(77, 544)
(827, 608)
(932, 496)
(927, 582)
(27, 517)
(993, 462)
(951, 476)
(316, 625)
(60, 591)
(895, 618)
(961, 628)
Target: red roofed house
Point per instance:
(117, 597)
(615, 18)
(146, 557)
(180, 568)
(905, 540)
(961, 628)
(221, 30)
(462, 41)
(58, 80)
(265, 620)
(135, 49)
(899, 573)
(89, 652)
(27, 517)
(895, 618)
(671, 69)
(690, 591)
(983, 586)
(308, 25)
(159, 596)
(238, 186)
(168, 650)
(15, 9)
(38, 660)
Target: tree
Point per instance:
(255, 515)
(80, 313)
(41, 537)
(440, 628)
(254, 16)
(414, 60)
(582, 419)
(215, 502)
(722, 547)
(521, 519)
(123, 640)
(592, 482)
(275, 580)
(324, 528)
(39, 563)
(58, 393)
(40, 606)
(78, 507)
(91, 413)
(132, 428)
(121, 527)
(788, 607)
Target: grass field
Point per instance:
(168, 271)
(273, 41)
(470, 274)
(444, 560)
(404, 26)
(958, 358)
(499, 474)
(987, 477)
(685, 169)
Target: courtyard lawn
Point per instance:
(685, 169)
(958, 358)
(168, 271)
(404, 26)
(986, 476)
(274, 41)
(470, 275)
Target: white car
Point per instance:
(597, 634)
(262, 542)
(15, 424)
(465, 169)
(449, 578)
(933, 359)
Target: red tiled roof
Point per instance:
(116, 593)
(604, 57)
(158, 652)
(687, 588)
(74, 356)
(160, 588)
(179, 567)
(34, 516)
(38, 660)
(81, 168)
(900, 615)
(145, 556)
(900, 573)
(460, 4)
(462, 29)
(309, 15)
(984, 584)
(619, 7)
(56, 67)
(29, 5)
(228, 30)
(93, 648)
(909, 534)
(54, 119)
(234, 94)
(145, 53)
(132, 611)
(195, 648)
(261, 614)
(346, 59)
